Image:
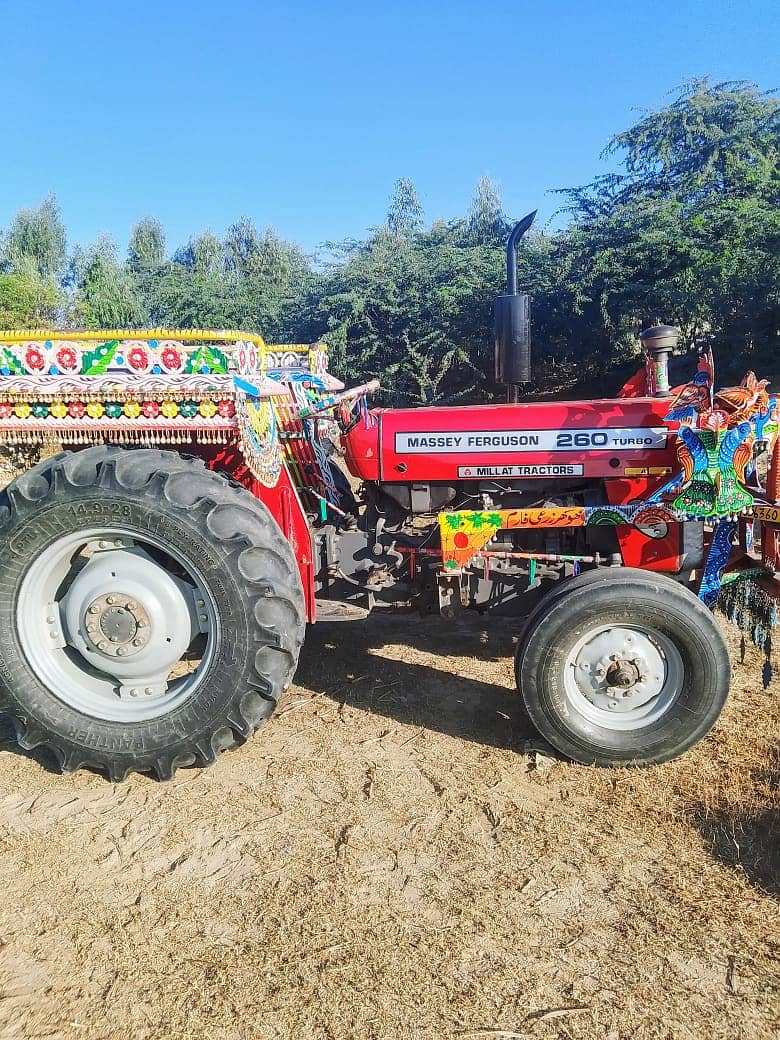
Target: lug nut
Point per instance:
(137, 642)
(202, 617)
(148, 691)
(142, 623)
(118, 543)
(94, 609)
(120, 651)
(110, 599)
(102, 645)
(130, 606)
(102, 544)
(50, 620)
(200, 603)
(134, 692)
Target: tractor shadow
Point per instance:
(45, 758)
(386, 665)
(747, 839)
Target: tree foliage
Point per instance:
(37, 236)
(689, 229)
(146, 249)
(27, 300)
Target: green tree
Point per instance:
(486, 223)
(104, 295)
(204, 254)
(37, 235)
(26, 299)
(187, 297)
(405, 214)
(146, 249)
(414, 311)
(274, 276)
(687, 231)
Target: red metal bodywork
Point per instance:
(603, 438)
(636, 548)
(284, 505)
(463, 443)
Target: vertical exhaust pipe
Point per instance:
(512, 322)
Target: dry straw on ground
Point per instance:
(384, 861)
(392, 858)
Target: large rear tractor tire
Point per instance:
(622, 667)
(151, 611)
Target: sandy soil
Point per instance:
(390, 858)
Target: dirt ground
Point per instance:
(389, 858)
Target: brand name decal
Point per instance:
(495, 441)
(550, 470)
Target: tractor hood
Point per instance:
(602, 438)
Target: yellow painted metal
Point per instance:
(78, 335)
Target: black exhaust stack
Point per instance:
(512, 322)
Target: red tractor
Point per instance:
(158, 570)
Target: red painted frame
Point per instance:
(284, 505)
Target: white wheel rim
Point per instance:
(103, 625)
(623, 677)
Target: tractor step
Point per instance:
(339, 610)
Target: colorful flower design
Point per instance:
(34, 360)
(138, 358)
(145, 384)
(171, 357)
(67, 358)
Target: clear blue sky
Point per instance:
(302, 115)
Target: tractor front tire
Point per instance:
(151, 611)
(622, 667)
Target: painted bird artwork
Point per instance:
(715, 442)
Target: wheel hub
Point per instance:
(623, 674)
(117, 625)
(619, 676)
(131, 619)
(112, 623)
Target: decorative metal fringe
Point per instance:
(117, 436)
(754, 612)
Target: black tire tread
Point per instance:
(229, 515)
(580, 589)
